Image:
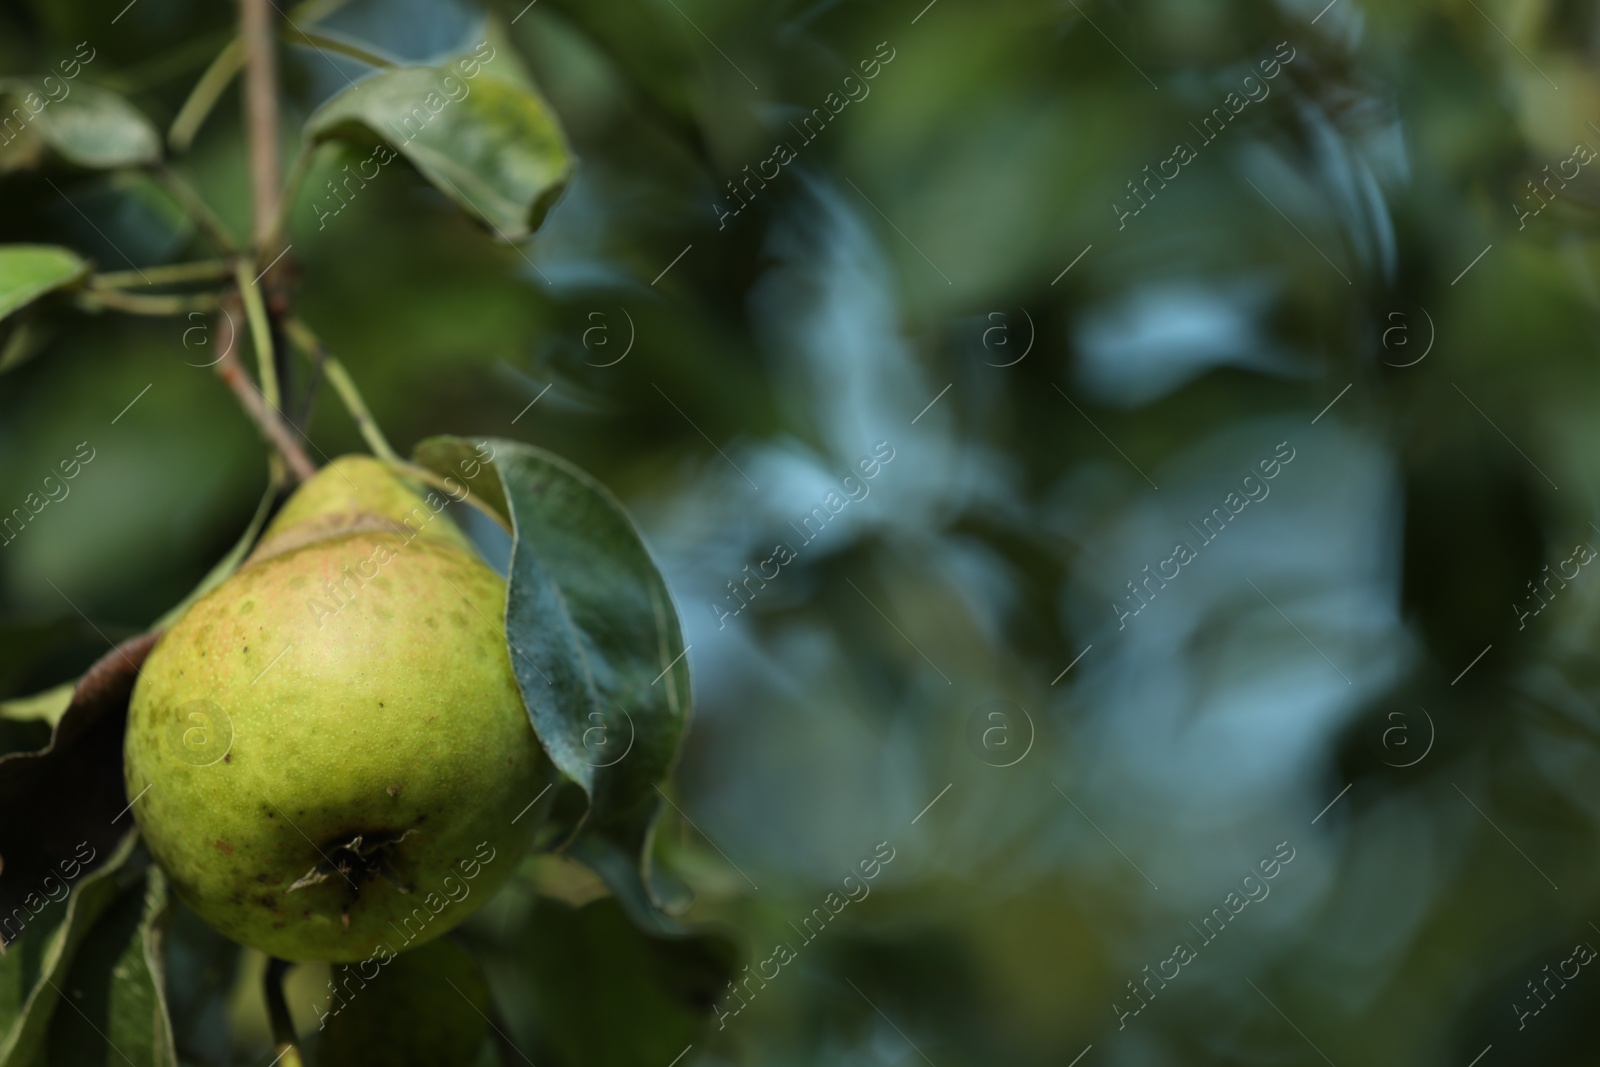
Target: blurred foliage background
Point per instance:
(944, 269)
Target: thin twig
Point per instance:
(270, 422)
(140, 77)
(313, 384)
(260, 333)
(291, 188)
(302, 337)
(197, 208)
(171, 274)
(205, 94)
(335, 44)
(134, 304)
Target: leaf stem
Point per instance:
(291, 189)
(301, 336)
(173, 273)
(260, 333)
(197, 208)
(134, 304)
(205, 94)
(334, 44)
(286, 1044)
(146, 74)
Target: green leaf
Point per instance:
(117, 1011)
(28, 272)
(493, 147)
(71, 791)
(421, 1008)
(663, 988)
(46, 707)
(202, 967)
(595, 644)
(651, 53)
(34, 968)
(89, 127)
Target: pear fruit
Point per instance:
(329, 754)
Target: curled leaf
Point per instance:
(595, 644)
(493, 147)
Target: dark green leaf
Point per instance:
(426, 1007)
(35, 654)
(494, 148)
(201, 968)
(88, 127)
(28, 272)
(71, 790)
(595, 644)
(608, 995)
(34, 968)
(116, 1006)
(651, 53)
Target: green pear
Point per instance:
(329, 754)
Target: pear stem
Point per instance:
(286, 1044)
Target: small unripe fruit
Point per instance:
(329, 751)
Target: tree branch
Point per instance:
(261, 117)
(267, 418)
